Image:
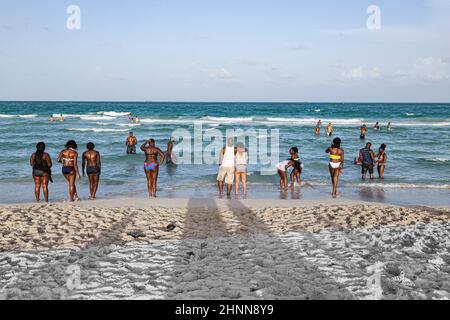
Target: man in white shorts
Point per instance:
(227, 166)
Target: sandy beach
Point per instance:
(224, 249)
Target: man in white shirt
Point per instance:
(227, 166)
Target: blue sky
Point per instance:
(231, 50)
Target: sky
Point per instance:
(214, 50)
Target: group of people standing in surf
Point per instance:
(232, 164)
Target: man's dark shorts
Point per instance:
(131, 150)
(367, 167)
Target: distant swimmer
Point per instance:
(330, 129)
(389, 127)
(367, 159)
(376, 126)
(91, 158)
(131, 144)
(381, 160)
(61, 118)
(151, 165)
(42, 173)
(68, 157)
(363, 132)
(51, 119)
(336, 164)
(318, 126)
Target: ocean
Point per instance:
(418, 171)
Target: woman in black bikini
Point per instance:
(92, 165)
(41, 163)
(295, 162)
(68, 157)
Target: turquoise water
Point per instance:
(418, 148)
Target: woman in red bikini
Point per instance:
(151, 165)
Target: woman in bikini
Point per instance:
(92, 165)
(336, 163)
(41, 163)
(68, 157)
(382, 160)
(151, 165)
(295, 162)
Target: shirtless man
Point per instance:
(363, 132)
(151, 165)
(94, 166)
(169, 151)
(131, 144)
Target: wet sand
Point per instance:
(228, 249)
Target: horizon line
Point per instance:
(229, 102)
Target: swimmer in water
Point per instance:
(376, 126)
(68, 157)
(169, 151)
(336, 164)
(131, 143)
(41, 163)
(51, 119)
(330, 129)
(389, 127)
(151, 165)
(61, 118)
(363, 132)
(91, 157)
(381, 161)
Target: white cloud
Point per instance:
(360, 73)
(219, 74)
(432, 68)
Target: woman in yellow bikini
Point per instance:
(336, 163)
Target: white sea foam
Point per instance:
(98, 130)
(97, 118)
(228, 119)
(313, 121)
(114, 113)
(23, 116)
(128, 124)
